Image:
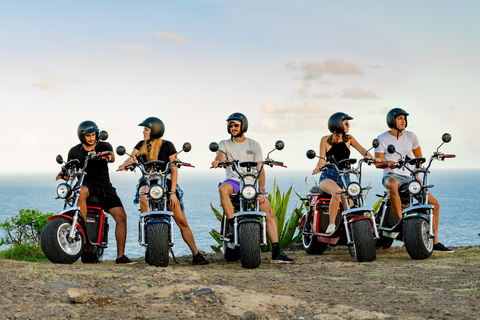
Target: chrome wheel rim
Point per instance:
(69, 247)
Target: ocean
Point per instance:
(455, 189)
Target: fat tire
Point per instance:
(93, 257)
(363, 240)
(55, 245)
(311, 244)
(415, 234)
(250, 251)
(157, 244)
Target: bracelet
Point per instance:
(171, 192)
(261, 189)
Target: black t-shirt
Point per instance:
(166, 150)
(97, 169)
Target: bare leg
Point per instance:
(271, 221)
(392, 185)
(329, 186)
(436, 214)
(185, 230)
(118, 213)
(82, 200)
(143, 199)
(225, 190)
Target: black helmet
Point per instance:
(393, 114)
(86, 127)
(335, 122)
(240, 117)
(156, 125)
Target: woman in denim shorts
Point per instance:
(337, 144)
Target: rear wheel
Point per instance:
(417, 242)
(363, 240)
(250, 250)
(55, 244)
(93, 257)
(310, 242)
(231, 254)
(157, 244)
(384, 242)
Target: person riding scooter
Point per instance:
(406, 144)
(97, 182)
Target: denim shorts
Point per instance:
(142, 183)
(333, 175)
(401, 178)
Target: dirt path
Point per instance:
(330, 286)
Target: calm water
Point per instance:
(455, 189)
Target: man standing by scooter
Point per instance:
(241, 148)
(97, 182)
(406, 143)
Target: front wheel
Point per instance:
(250, 251)
(417, 241)
(55, 244)
(363, 240)
(157, 244)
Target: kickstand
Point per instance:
(173, 256)
(350, 250)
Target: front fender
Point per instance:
(70, 218)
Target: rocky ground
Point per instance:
(330, 286)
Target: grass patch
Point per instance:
(24, 252)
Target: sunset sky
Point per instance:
(287, 65)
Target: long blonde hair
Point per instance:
(334, 138)
(151, 148)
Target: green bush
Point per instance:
(22, 231)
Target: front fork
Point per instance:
(347, 225)
(72, 234)
(264, 231)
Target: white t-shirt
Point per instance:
(404, 145)
(248, 150)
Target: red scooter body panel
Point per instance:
(58, 216)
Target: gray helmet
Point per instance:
(240, 117)
(335, 122)
(87, 127)
(156, 126)
(393, 114)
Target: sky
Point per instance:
(287, 65)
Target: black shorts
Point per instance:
(106, 194)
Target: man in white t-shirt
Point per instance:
(406, 144)
(241, 148)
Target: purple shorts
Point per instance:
(234, 183)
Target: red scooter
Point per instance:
(69, 235)
(355, 226)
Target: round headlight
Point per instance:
(64, 190)
(249, 192)
(414, 187)
(354, 189)
(156, 192)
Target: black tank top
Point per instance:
(340, 151)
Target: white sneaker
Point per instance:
(330, 229)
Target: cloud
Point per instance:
(290, 118)
(171, 36)
(134, 49)
(315, 70)
(56, 83)
(358, 94)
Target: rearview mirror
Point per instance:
(213, 147)
(120, 150)
(59, 159)
(103, 135)
(311, 154)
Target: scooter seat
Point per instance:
(317, 191)
(93, 201)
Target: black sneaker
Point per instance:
(198, 259)
(441, 248)
(282, 258)
(124, 260)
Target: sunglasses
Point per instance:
(347, 123)
(235, 125)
